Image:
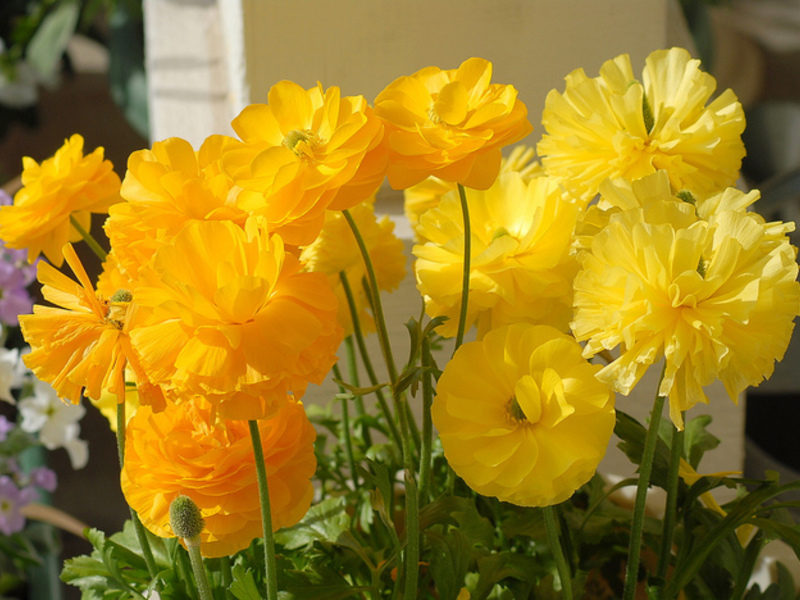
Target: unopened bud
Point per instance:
(185, 518)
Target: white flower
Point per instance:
(55, 421)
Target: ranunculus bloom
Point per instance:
(615, 126)
(82, 343)
(303, 152)
(451, 124)
(715, 297)
(228, 315)
(165, 188)
(522, 266)
(335, 251)
(521, 415)
(67, 184)
(184, 451)
(427, 194)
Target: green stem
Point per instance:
(346, 439)
(462, 316)
(554, 541)
(645, 469)
(400, 410)
(358, 401)
(141, 534)
(185, 570)
(90, 241)
(270, 563)
(671, 509)
(227, 574)
(362, 349)
(199, 570)
(412, 537)
(427, 425)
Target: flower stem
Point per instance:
(345, 429)
(362, 349)
(427, 425)
(266, 513)
(199, 569)
(141, 534)
(90, 241)
(637, 526)
(462, 316)
(554, 540)
(352, 373)
(671, 509)
(401, 411)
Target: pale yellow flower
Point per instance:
(428, 193)
(522, 265)
(451, 124)
(521, 415)
(335, 251)
(616, 126)
(716, 298)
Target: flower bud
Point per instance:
(185, 518)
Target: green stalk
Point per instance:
(345, 433)
(401, 411)
(645, 469)
(554, 541)
(185, 570)
(90, 241)
(141, 534)
(671, 509)
(462, 316)
(362, 349)
(270, 564)
(199, 570)
(227, 574)
(427, 425)
(352, 372)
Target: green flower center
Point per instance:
(302, 142)
(515, 410)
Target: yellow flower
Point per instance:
(230, 317)
(428, 193)
(615, 126)
(183, 451)
(165, 188)
(303, 152)
(451, 124)
(521, 415)
(522, 265)
(715, 297)
(67, 184)
(335, 251)
(82, 342)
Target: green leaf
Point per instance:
(325, 522)
(244, 585)
(48, 44)
(697, 441)
(449, 561)
(493, 568)
(323, 583)
(632, 433)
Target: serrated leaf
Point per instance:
(449, 561)
(632, 435)
(244, 585)
(324, 522)
(697, 441)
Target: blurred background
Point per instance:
(124, 73)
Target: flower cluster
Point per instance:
(236, 270)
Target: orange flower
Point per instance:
(82, 343)
(230, 317)
(165, 188)
(303, 152)
(183, 451)
(451, 124)
(68, 184)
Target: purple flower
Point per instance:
(12, 499)
(5, 427)
(44, 478)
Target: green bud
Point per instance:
(185, 518)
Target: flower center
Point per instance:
(118, 308)
(302, 142)
(515, 411)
